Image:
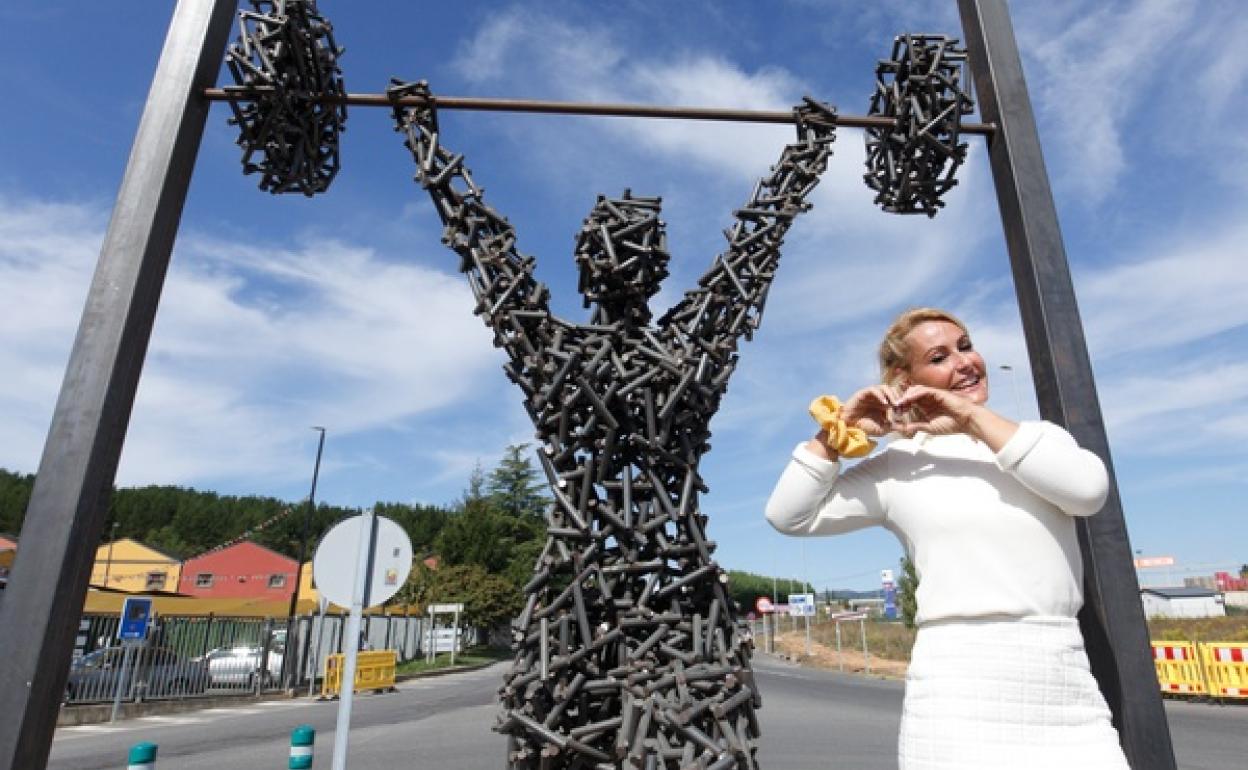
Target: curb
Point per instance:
(445, 671)
(98, 713)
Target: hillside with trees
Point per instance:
(485, 543)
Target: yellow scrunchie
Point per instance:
(844, 440)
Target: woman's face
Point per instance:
(941, 356)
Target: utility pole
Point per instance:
(288, 660)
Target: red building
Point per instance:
(243, 570)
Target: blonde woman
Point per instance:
(985, 507)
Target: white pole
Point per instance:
(121, 679)
(343, 730)
(840, 659)
(862, 622)
(454, 637)
(316, 648)
(431, 650)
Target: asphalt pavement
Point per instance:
(810, 719)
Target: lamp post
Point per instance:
(287, 658)
(1018, 403)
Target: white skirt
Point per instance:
(1014, 693)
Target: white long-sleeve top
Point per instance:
(990, 534)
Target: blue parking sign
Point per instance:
(136, 614)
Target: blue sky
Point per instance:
(280, 313)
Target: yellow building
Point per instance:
(308, 595)
(128, 565)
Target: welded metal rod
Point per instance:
(1112, 619)
(69, 501)
(485, 104)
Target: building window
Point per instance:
(203, 580)
(156, 581)
(277, 581)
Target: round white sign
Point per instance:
(336, 563)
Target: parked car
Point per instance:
(153, 672)
(240, 666)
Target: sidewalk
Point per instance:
(97, 713)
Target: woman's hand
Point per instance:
(868, 410)
(943, 412)
(871, 410)
(939, 412)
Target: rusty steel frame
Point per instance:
(65, 517)
(1112, 619)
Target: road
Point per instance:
(811, 719)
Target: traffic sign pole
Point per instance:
(127, 649)
(363, 565)
(361, 562)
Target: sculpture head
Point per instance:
(621, 254)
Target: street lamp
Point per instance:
(287, 661)
(1018, 403)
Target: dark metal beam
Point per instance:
(39, 617)
(580, 108)
(1112, 619)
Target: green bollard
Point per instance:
(301, 740)
(143, 757)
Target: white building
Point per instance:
(1235, 598)
(1182, 603)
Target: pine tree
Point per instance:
(515, 487)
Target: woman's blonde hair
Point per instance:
(893, 350)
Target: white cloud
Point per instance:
(1192, 402)
(252, 344)
(1096, 65)
(1191, 289)
(519, 48)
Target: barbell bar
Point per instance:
(546, 107)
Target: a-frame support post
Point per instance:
(63, 523)
(1112, 619)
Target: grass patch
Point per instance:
(473, 656)
(885, 640)
(894, 641)
(1232, 628)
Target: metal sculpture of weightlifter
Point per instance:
(628, 649)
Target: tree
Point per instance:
(476, 535)
(746, 587)
(488, 599)
(475, 495)
(514, 485)
(422, 523)
(907, 585)
(14, 497)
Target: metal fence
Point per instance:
(198, 656)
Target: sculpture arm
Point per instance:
(509, 299)
(729, 299)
